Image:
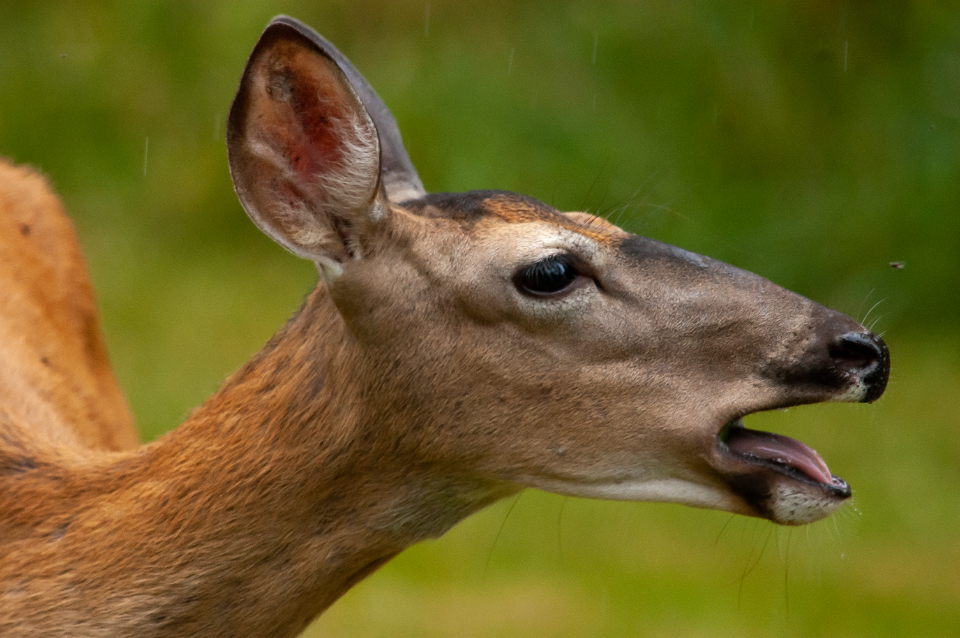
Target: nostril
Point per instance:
(866, 355)
(856, 351)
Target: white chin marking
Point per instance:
(854, 394)
(793, 505)
(790, 504)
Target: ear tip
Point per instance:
(286, 20)
(287, 23)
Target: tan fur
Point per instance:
(420, 382)
(54, 370)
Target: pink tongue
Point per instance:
(781, 449)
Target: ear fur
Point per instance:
(304, 153)
(398, 176)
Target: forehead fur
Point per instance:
(485, 206)
(476, 205)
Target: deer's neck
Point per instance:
(275, 497)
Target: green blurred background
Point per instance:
(811, 142)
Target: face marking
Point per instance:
(494, 206)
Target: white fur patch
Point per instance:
(791, 505)
(329, 269)
(347, 188)
(659, 490)
(854, 394)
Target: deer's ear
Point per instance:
(304, 153)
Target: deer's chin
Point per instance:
(778, 477)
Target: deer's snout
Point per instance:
(841, 362)
(863, 355)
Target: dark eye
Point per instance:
(547, 276)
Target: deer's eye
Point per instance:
(547, 276)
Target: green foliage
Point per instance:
(812, 143)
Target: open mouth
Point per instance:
(781, 454)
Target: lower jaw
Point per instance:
(790, 506)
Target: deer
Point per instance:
(457, 348)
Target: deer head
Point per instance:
(505, 343)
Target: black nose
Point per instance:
(865, 355)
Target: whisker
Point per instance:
(872, 308)
(865, 299)
(500, 531)
(752, 564)
(586, 197)
(722, 529)
(876, 321)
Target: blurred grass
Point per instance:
(810, 142)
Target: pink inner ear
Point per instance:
(303, 151)
(314, 117)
